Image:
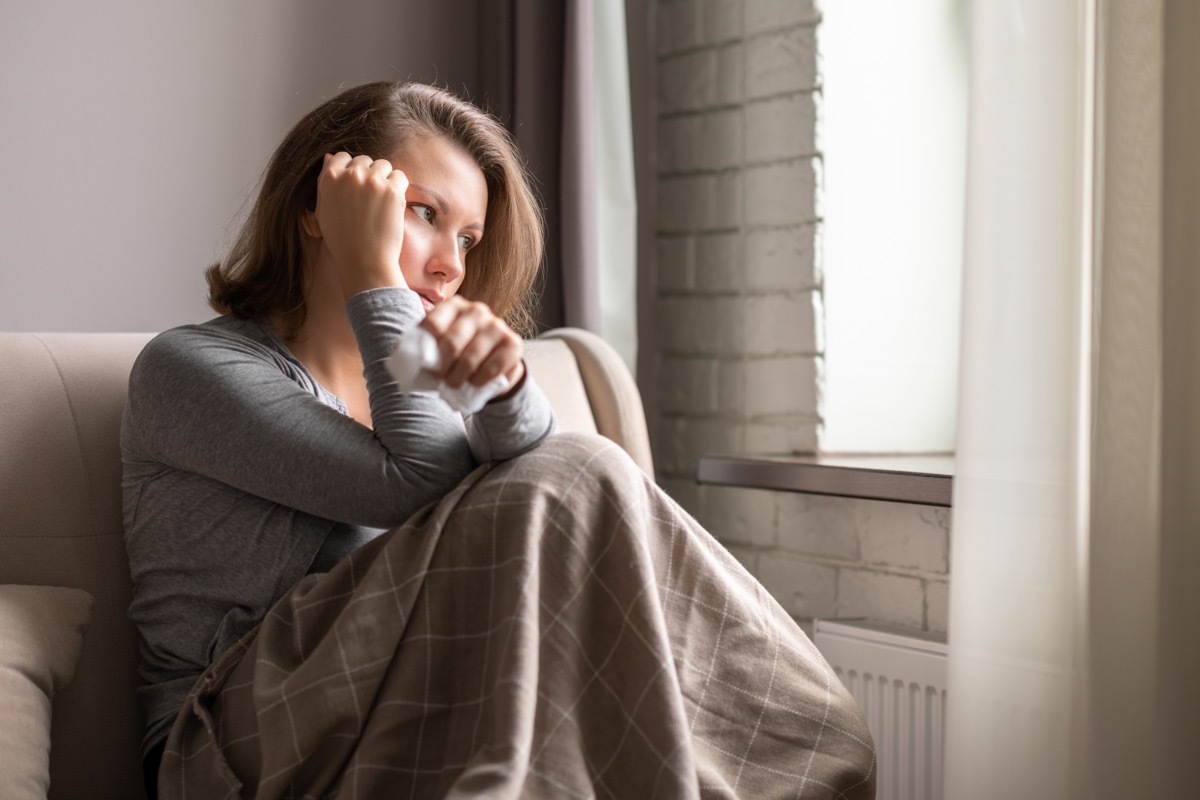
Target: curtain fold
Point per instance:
(1125, 518)
(521, 80)
(1177, 704)
(557, 73)
(1073, 644)
(600, 206)
(580, 171)
(1020, 488)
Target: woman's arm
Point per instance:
(511, 425)
(211, 402)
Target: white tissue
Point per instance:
(416, 354)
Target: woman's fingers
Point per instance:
(475, 344)
(336, 161)
(489, 353)
(360, 217)
(342, 162)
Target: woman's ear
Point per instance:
(310, 224)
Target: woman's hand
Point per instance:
(474, 343)
(360, 218)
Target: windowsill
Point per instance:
(923, 479)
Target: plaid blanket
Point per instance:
(554, 627)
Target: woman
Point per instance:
(544, 622)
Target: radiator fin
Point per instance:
(898, 678)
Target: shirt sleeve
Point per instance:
(506, 428)
(218, 404)
(501, 430)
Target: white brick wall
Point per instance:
(782, 61)
(781, 127)
(767, 15)
(738, 286)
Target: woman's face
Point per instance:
(446, 205)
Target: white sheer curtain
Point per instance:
(1073, 609)
(598, 197)
(1019, 511)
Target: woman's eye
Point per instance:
(424, 212)
(466, 242)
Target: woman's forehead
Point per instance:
(439, 166)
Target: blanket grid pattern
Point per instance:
(554, 627)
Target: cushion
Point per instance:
(41, 633)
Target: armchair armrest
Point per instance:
(611, 391)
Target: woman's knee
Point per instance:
(591, 449)
(567, 462)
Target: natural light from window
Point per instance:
(892, 135)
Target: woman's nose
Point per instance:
(447, 259)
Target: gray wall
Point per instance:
(133, 132)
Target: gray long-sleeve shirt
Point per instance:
(242, 474)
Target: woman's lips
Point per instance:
(429, 300)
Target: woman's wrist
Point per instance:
(516, 379)
(364, 280)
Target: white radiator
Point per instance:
(898, 677)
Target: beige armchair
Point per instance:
(61, 399)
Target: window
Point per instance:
(892, 133)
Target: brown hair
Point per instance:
(264, 271)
